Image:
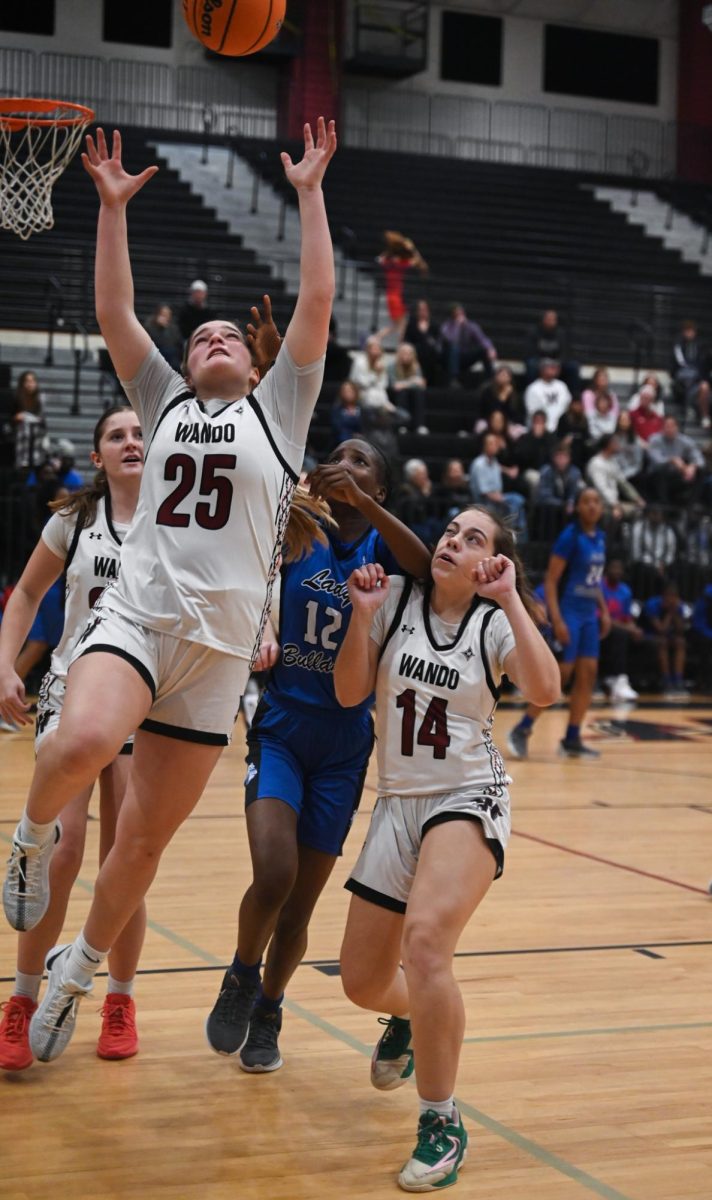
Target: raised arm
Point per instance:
(308, 329)
(127, 341)
(357, 660)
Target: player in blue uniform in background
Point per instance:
(579, 618)
(307, 756)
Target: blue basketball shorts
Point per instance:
(584, 635)
(316, 763)
(48, 625)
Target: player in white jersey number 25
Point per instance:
(435, 654)
(168, 649)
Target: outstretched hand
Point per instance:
(114, 185)
(334, 481)
(263, 337)
(308, 174)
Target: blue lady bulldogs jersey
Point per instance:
(585, 555)
(314, 615)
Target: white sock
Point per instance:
(116, 987)
(27, 985)
(83, 961)
(33, 832)
(444, 1108)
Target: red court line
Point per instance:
(608, 862)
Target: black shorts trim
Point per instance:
(127, 748)
(374, 897)
(184, 735)
(494, 843)
(106, 648)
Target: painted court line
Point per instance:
(603, 1032)
(608, 862)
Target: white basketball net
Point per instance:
(35, 147)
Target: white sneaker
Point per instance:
(8, 727)
(52, 1025)
(25, 893)
(621, 689)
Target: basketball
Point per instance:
(234, 27)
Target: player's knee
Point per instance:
(357, 980)
(422, 951)
(86, 751)
(272, 884)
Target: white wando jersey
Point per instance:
(436, 693)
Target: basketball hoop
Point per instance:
(38, 138)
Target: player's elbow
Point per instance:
(347, 691)
(546, 690)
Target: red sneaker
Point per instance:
(15, 1053)
(118, 1037)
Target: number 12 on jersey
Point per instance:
(433, 728)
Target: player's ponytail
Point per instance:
(505, 543)
(308, 517)
(83, 503)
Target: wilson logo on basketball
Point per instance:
(206, 16)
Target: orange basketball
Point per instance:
(234, 27)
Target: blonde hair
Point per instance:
(308, 517)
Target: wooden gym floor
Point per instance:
(587, 978)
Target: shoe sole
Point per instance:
(17, 1066)
(113, 1057)
(224, 1053)
(434, 1187)
(260, 1070)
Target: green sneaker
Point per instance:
(439, 1154)
(392, 1060)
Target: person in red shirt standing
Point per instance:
(399, 255)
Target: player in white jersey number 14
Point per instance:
(155, 658)
(435, 654)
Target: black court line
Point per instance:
(608, 862)
(330, 965)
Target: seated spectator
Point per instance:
(369, 373)
(702, 638)
(31, 439)
(464, 343)
(407, 385)
(165, 334)
(58, 468)
(613, 664)
(547, 394)
(424, 335)
(573, 428)
(533, 450)
(497, 423)
(196, 310)
(416, 503)
(654, 398)
(676, 473)
(631, 454)
(602, 418)
(689, 371)
(599, 386)
(346, 417)
(453, 491)
(652, 549)
(500, 395)
(548, 340)
(337, 363)
(604, 471)
(663, 619)
(559, 482)
(486, 486)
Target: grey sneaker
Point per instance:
(25, 893)
(518, 742)
(577, 749)
(52, 1025)
(261, 1050)
(228, 1024)
(392, 1060)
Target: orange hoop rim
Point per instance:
(27, 105)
